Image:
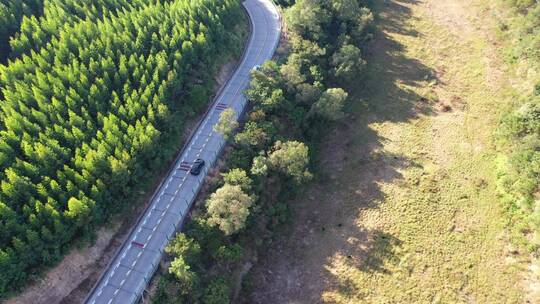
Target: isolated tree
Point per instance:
(228, 254)
(330, 105)
(228, 208)
(360, 26)
(305, 63)
(79, 212)
(308, 18)
(292, 71)
(217, 292)
(346, 10)
(227, 123)
(291, 158)
(308, 93)
(238, 177)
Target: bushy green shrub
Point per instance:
(519, 173)
(291, 102)
(217, 292)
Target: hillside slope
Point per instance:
(94, 90)
(408, 211)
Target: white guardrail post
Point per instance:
(134, 263)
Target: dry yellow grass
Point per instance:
(412, 214)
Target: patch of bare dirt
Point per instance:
(225, 73)
(452, 15)
(65, 277)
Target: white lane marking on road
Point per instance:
(205, 123)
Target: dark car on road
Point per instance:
(197, 166)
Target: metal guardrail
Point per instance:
(160, 189)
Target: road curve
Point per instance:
(136, 261)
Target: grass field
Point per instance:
(407, 209)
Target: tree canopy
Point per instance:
(291, 158)
(227, 123)
(330, 104)
(91, 89)
(228, 208)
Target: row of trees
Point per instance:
(291, 104)
(98, 85)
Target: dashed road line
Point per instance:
(216, 109)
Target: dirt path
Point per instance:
(407, 211)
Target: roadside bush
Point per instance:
(291, 103)
(520, 170)
(217, 292)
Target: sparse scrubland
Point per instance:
(519, 162)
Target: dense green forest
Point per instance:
(520, 169)
(36, 32)
(293, 101)
(11, 15)
(91, 89)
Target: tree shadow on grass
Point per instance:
(301, 266)
(391, 75)
(372, 252)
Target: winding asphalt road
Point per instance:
(137, 260)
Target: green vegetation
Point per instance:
(228, 208)
(527, 26)
(36, 32)
(93, 88)
(520, 168)
(406, 208)
(292, 103)
(227, 123)
(420, 165)
(11, 15)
